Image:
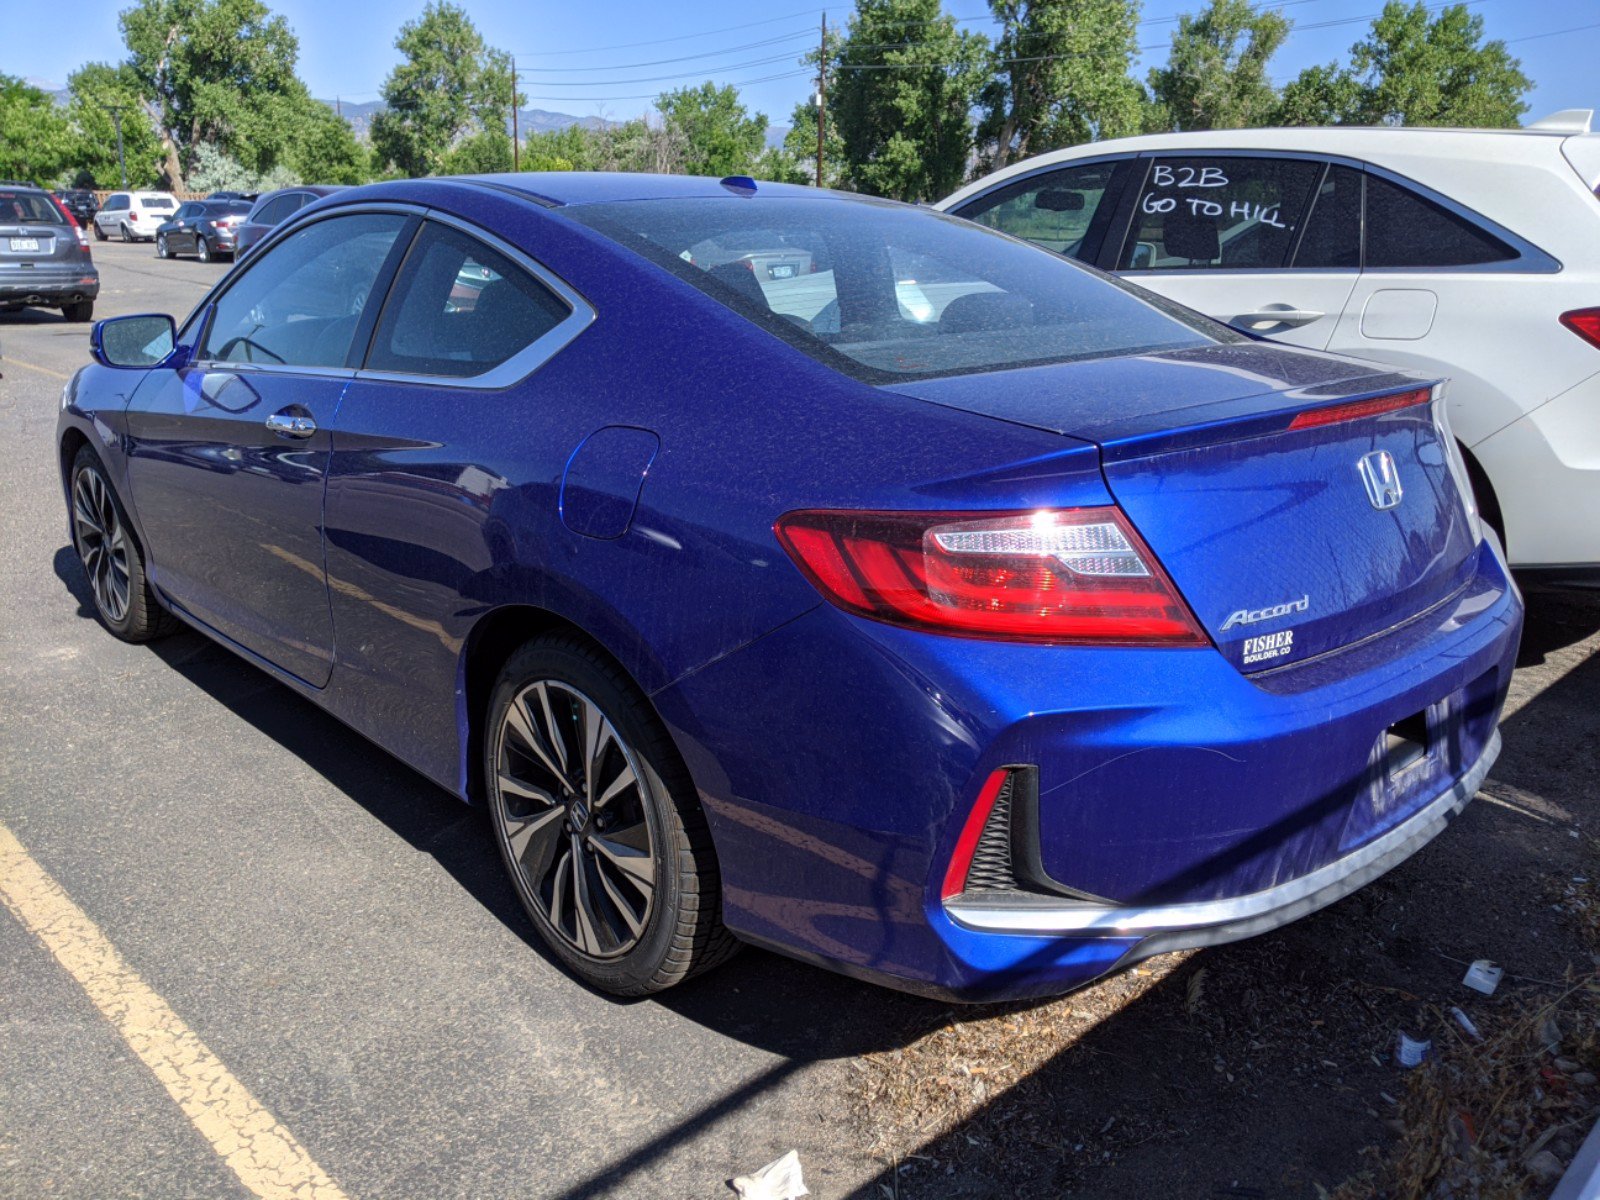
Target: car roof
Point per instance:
(560, 188)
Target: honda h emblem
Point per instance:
(1382, 480)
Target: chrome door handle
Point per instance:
(290, 425)
(1291, 317)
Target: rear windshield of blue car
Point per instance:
(889, 292)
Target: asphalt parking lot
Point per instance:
(338, 935)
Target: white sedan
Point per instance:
(1471, 254)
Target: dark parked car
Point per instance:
(979, 630)
(81, 203)
(272, 209)
(252, 197)
(44, 256)
(203, 228)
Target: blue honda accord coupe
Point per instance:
(829, 574)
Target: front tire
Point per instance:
(111, 559)
(99, 233)
(598, 823)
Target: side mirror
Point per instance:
(133, 342)
(1059, 200)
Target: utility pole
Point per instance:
(516, 140)
(116, 117)
(822, 95)
(338, 106)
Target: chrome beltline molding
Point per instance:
(1169, 927)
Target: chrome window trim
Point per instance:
(1183, 925)
(581, 314)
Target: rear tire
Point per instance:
(127, 234)
(202, 250)
(609, 852)
(82, 310)
(111, 557)
(162, 250)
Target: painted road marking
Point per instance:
(262, 1153)
(26, 366)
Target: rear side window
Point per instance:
(1221, 213)
(1332, 238)
(1066, 210)
(299, 303)
(1408, 230)
(887, 292)
(29, 208)
(459, 309)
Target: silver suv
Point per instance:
(44, 255)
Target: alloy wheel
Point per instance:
(201, 250)
(102, 543)
(161, 245)
(572, 810)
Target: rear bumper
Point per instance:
(1179, 802)
(1166, 927)
(50, 287)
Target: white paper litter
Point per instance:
(1483, 976)
(778, 1180)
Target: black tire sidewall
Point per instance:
(567, 661)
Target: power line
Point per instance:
(788, 37)
(1553, 33)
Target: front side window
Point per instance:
(1222, 213)
(299, 303)
(114, 203)
(460, 309)
(1408, 230)
(1065, 210)
(276, 210)
(886, 292)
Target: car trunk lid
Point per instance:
(1287, 538)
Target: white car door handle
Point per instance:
(1291, 317)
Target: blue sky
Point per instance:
(606, 56)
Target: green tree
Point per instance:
(569, 149)
(484, 153)
(1216, 72)
(219, 71)
(94, 89)
(1322, 95)
(325, 149)
(720, 137)
(1436, 71)
(905, 83)
(36, 142)
(450, 86)
(1061, 76)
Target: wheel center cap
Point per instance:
(577, 813)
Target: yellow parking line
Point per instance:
(261, 1152)
(17, 362)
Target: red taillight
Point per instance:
(83, 238)
(133, 214)
(1360, 408)
(955, 875)
(1076, 575)
(1585, 322)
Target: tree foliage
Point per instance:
(93, 90)
(36, 142)
(1416, 70)
(451, 85)
(1061, 77)
(217, 71)
(720, 137)
(905, 83)
(1216, 72)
